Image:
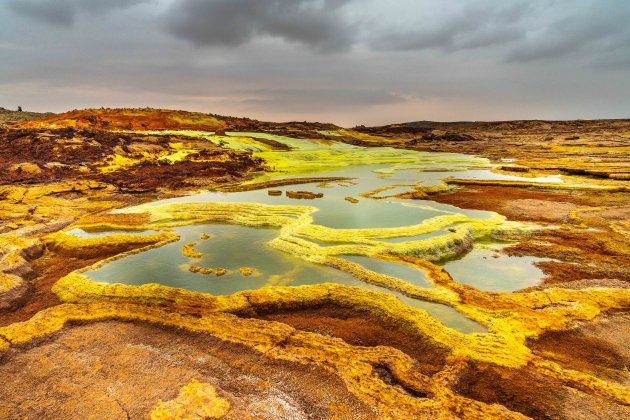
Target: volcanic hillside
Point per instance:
(163, 119)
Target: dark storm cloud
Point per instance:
(63, 12)
(314, 23)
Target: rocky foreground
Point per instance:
(71, 348)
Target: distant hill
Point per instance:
(164, 119)
(9, 116)
(530, 126)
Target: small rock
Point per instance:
(514, 168)
(307, 195)
(26, 168)
(54, 165)
(207, 271)
(246, 271)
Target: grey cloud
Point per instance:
(592, 32)
(63, 12)
(601, 25)
(456, 69)
(616, 59)
(55, 13)
(316, 24)
(484, 24)
(331, 98)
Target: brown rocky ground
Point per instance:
(162, 119)
(532, 394)
(362, 329)
(122, 369)
(582, 234)
(586, 235)
(599, 347)
(130, 162)
(119, 370)
(597, 148)
(588, 228)
(69, 167)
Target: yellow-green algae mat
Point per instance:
(308, 156)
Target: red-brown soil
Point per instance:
(363, 329)
(600, 347)
(531, 393)
(519, 203)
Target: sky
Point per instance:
(348, 62)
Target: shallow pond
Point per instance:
(487, 269)
(230, 247)
(412, 275)
(233, 247)
(335, 212)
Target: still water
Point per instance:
(232, 247)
